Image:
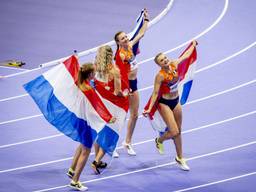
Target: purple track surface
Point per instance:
(219, 135)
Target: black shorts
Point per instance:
(171, 103)
(133, 85)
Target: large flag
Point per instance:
(124, 68)
(132, 35)
(186, 71)
(78, 114)
(118, 107)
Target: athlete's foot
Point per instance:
(102, 165)
(182, 163)
(115, 154)
(70, 173)
(78, 186)
(159, 146)
(129, 148)
(95, 167)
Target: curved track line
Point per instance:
(14, 68)
(216, 182)
(191, 102)
(138, 143)
(200, 99)
(173, 49)
(156, 167)
(143, 89)
(197, 71)
(89, 51)
(149, 59)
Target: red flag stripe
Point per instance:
(122, 102)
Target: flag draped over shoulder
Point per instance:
(78, 114)
(186, 71)
(118, 107)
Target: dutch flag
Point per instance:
(77, 114)
(186, 71)
(118, 107)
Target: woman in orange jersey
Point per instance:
(166, 83)
(125, 61)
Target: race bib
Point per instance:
(133, 63)
(174, 87)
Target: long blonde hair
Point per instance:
(104, 59)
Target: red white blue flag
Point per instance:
(118, 107)
(186, 71)
(132, 35)
(80, 115)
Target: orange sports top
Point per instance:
(171, 80)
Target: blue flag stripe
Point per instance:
(186, 89)
(59, 115)
(107, 139)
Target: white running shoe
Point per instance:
(70, 173)
(182, 163)
(115, 154)
(129, 148)
(78, 186)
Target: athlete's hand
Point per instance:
(119, 93)
(146, 112)
(194, 43)
(146, 15)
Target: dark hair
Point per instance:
(84, 72)
(116, 40)
(116, 35)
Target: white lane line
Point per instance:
(214, 64)
(170, 50)
(197, 36)
(14, 68)
(31, 140)
(14, 97)
(92, 50)
(21, 119)
(138, 143)
(222, 92)
(60, 134)
(173, 49)
(197, 71)
(227, 58)
(194, 101)
(155, 167)
(216, 182)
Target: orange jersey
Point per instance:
(124, 68)
(127, 53)
(171, 80)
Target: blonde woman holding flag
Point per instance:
(165, 99)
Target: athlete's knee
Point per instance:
(85, 151)
(176, 132)
(173, 133)
(134, 116)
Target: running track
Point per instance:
(219, 133)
